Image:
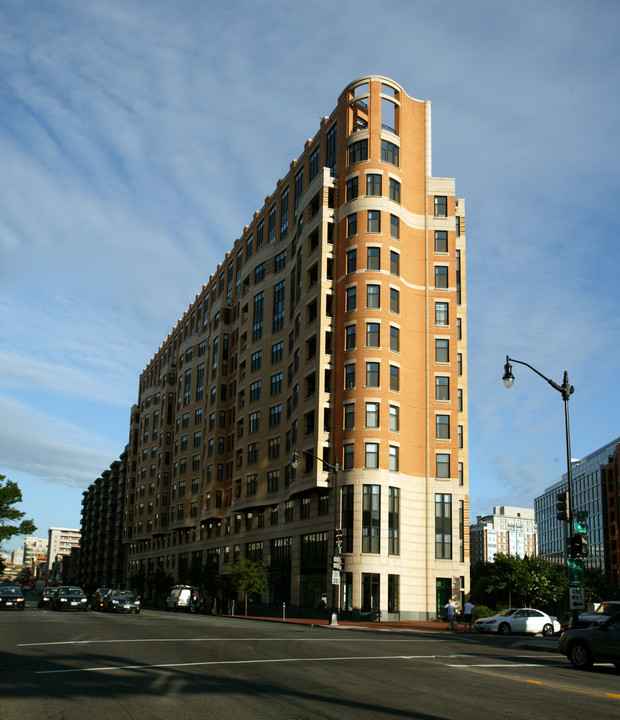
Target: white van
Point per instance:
(183, 597)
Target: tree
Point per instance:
(248, 576)
(10, 494)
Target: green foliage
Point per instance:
(598, 587)
(10, 494)
(482, 611)
(512, 581)
(248, 576)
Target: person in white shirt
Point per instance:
(468, 616)
(452, 621)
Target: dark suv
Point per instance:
(597, 643)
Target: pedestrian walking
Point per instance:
(452, 621)
(468, 616)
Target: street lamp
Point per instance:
(566, 390)
(336, 565)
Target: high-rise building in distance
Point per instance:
(335, 328)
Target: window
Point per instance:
(394, 190)
(394, 338)
(252, 453)
(372, 334)
(280, 261)
(373, 296)
(394, 378)
(254, 422)
(443, 526)
(351, 261)
(349, 416)
(441, 206)
(442, 461)
(351, 189)
(394, 418)
(352, 225)
(372, 414)
(276, 352)
(441, 313)
(257, 330)
(351, 298)
(259, 273)
(275, 415)
(441, 276)
(442, 427)
(441, 241)
(358, 151)
(257, 361)
(394, 459)
(289, 510)
(442, 350)
(314, 163)
(271, 233)
(349, 335)
(374, 221)
(273, 477)
(442, 388)
(299, 189)
(276, 384)
(248, 250)
(330, 150)
(349, 375)
(278, 306)
(394, 262)
(371, 518)
(274, 448)
(459, 363)
(283, 215)
(389, 152)
(347, 457)
(394, 300)
(305, 508)
(373, 184)
(372, 374)
(394, 226)
(372, 455)
(373, 258)
(394, 523)
(255, 391)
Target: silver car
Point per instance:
(597, 643)
(519, 620)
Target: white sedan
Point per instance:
(519, 620)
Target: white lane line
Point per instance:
(494, 665)
(236, 662)
(218, 639)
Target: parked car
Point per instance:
(600, 615)
(12, 597)
(519, 620)
(96, 601)
(121, 601)
(183, 597)
(596, 643)
(46, 599)
(70, 597)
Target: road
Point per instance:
(158, 665)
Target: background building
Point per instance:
(335, 327)
(60, 542)
(590, 488)
(509, 530)
(35, 552)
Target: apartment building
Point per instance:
(508, 530)
(334, 328)
(35, 552)
(101, 560)
(60, 542)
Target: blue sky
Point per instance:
(138, 138)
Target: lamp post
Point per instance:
(336, 564)
(566, 390)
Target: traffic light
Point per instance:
(338, 563)
(562, 506)
(338, 537)
(579, 546)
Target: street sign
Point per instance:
(335, 577)
(576, 598)
(581, 515)
(581, 526)
(575, 571)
